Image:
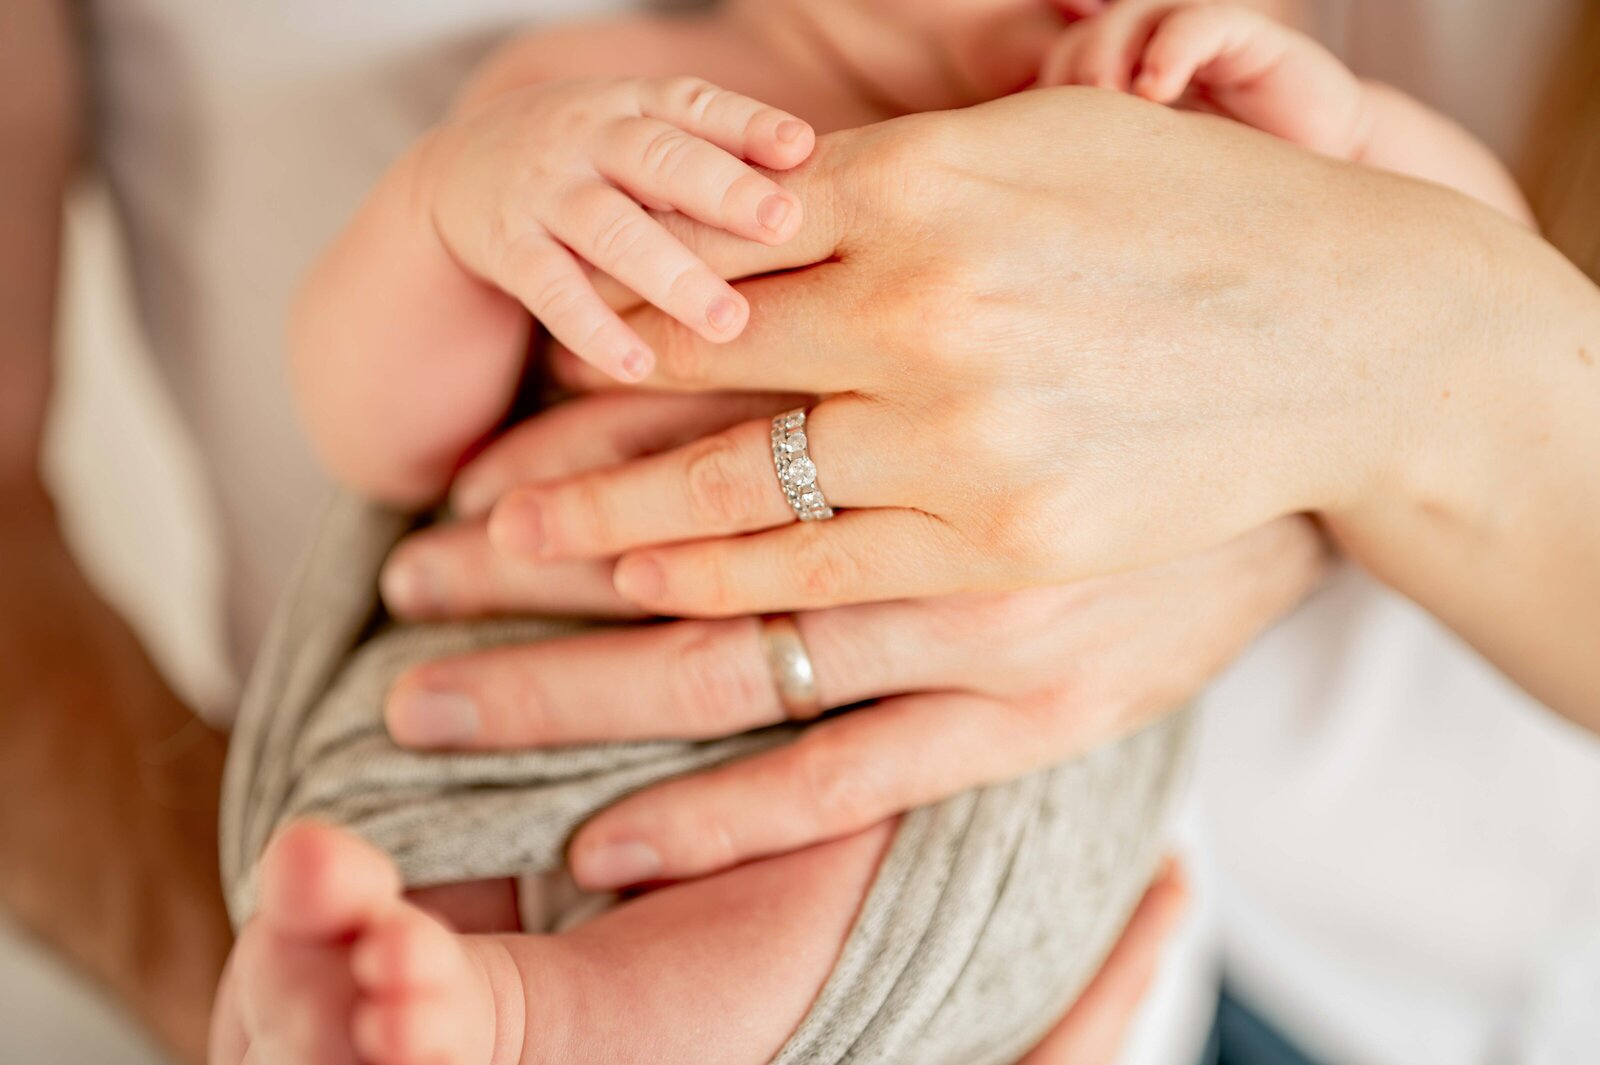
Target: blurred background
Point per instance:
(128, 484)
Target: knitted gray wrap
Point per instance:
(990, 911)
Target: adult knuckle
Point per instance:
(965, 618)
(1043, 718)
(680, 356)
(841, 789)
(823, 570)
(1009, 531)
(720, 493)
(1020, 544)
(710, 686)
(716, 593)
(712, 843)
(588, 503)
(927, 320)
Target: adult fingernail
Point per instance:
(773, 212)
(722, 313)
(636, 364)
(516, 525)
(475, 498)
(640, 579)
(790, 130)
(430, 717)
(409, 587)
(616, 865)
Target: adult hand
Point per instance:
(1128, 343)
(108, 792)
(968, 690)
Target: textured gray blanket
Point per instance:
(989, 913)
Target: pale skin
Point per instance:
(95, 747)
(1426, 386)
(337, 965)
(1244, 66)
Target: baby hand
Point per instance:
(542, 181)
(1222, 58)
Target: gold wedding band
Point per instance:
(792, 672)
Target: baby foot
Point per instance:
(337, 968)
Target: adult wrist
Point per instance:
(1488, 429)
(1443, 346)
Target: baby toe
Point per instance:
(417, 1029)
(406, 950)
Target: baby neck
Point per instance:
(880, 61)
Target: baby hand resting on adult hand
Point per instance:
(542, 180)
(505, 210)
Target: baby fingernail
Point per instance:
(616, 865)
(773, 212)
(433, 718)
(516, 525)
(636, 363)
(790, 130)
(722, 313)
(473, 499)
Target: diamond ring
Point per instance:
(797, 474)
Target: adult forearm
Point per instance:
(1491, 520)
(108, 792)
(40, 123)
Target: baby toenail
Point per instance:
(790, 130)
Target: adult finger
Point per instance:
(819, 185)
(839, 777)
(453, 571)
(799, 339)
(593, 431)
(693, 680)
(860, 556)
(1096, 1027)
(722, 484)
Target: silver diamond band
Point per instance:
(797, 474)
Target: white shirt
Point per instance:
(1406, 848)
(238, 136)
(1401, 841)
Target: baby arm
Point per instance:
(1243, 65)
(410, 335)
